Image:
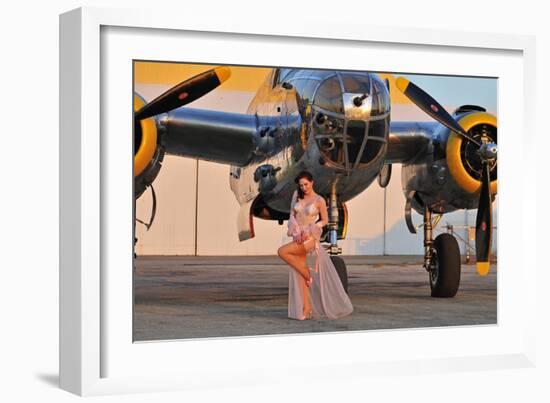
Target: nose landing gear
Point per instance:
(333, 249)
(441, 260)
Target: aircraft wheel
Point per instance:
(340, 266)
(445, 271)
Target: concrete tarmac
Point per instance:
(201, 297)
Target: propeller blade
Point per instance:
(484, 223)
(429, 105)
(185, 92)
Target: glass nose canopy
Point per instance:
(351, 118)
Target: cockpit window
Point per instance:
(305, 88)
(299, 84)
(329, 96)
(381, 102)
(282, 75)
(358, 84)
(309, 89)
(357, 138)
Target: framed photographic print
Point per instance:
(183, 152)
(254, 134)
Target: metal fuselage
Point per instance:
(336, 125)
(332, 124)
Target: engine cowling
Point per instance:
(462, 161)
(446, 176)
(148, 150)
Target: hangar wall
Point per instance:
(197, 212)
(197, 215)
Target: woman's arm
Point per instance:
(293, 202)
(322, 207)
(293, 227)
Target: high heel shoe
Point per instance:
(307, 316)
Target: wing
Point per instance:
(409, 140)
(227, 138)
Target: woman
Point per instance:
(313, 292)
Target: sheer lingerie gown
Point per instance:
(327, 296)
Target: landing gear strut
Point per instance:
(333, 224)
(441, 260)
(334, 250)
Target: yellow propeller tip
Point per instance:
(482, 268)
(223, 73)
(402, 83)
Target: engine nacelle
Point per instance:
(463, 164)
(148, 150)
(447, 176)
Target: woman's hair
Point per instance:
(301, 175)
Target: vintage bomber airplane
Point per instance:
(335, 124)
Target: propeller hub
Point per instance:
(488, 151)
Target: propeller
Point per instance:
(484, 222)
(185, 92)
(431, 107)
(182, 94)
(487, 152)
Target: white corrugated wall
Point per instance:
(197, 212)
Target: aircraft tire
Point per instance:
(340, 266)
(444, 281)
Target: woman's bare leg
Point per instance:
(301, 259)
(305, 288)
(306, 304)
(295, 255)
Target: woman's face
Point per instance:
(305, 185)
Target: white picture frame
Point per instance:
(97, 355)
